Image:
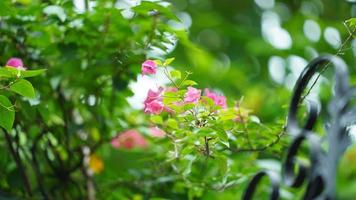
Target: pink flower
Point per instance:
(154, 107)
(154, 102)
(149, 67)
(128, 140)
(157, 132)
(219, 100)
(192, 95)
(15, 63)
(152, 95)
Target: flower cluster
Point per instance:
(191, 116)
(154, 103)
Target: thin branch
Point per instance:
(36, 166)
(169, 77)
(185, 78)
(339, 52)
(18, 161)
(258, 149)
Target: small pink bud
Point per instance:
(149, 67)
(15, 63)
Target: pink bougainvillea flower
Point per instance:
(219, 100)
(153, 95)
(192, 95)
(209, 94)
(149, 67)
(154, 107)
(154, 102)
(128, 140)
(15, 63)
(157, 132)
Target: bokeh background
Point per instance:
(251, 51)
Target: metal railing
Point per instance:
(320, 175)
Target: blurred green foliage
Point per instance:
(91, 55)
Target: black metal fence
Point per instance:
(320, 175)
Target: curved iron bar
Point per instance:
(320, 176)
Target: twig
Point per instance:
(169, 77)
(351, 33)
(185, 78)
(279, 136)
(36, 166)
(18, 161)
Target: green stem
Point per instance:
(169, 77)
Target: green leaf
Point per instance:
(188, 106)
(10, 72)
(168, 61)
(351, 22)
(158, 62)
(32, 73)
(189, 83)
(176, 74)
(255, 119)
(7, 113)
(205, 132)
(228, 114)
(222, 136)
(24, 88)
(6, 8)
(223, 165)
(172, 123)
(156, 119)
(170, 97)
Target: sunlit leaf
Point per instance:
(24, 88)
(175, 74)
(168, 61)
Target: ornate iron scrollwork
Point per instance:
(320, 175)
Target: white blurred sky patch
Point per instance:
(265, 4)
(277, 69)
(184, 23)
(312, 30)
(296, 65)
(273, 33)
(332, 37)
(143, 84)
(79, 5)
(352, 132)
